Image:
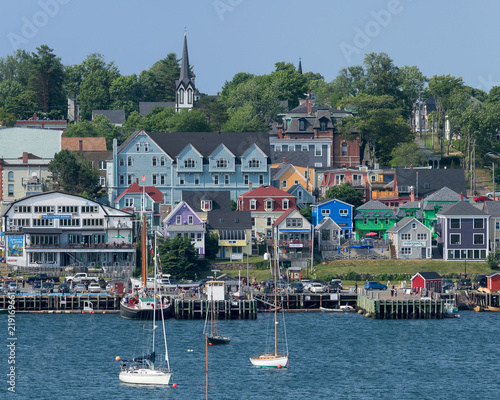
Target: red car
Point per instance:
(482, 199)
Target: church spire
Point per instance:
(184, 76)
(300, 66)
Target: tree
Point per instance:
(211, 245)
(412, 82)
(345, 192)
(164, 73)
(188, 121)
(101, 127)
(179, 257)
(125, 93)
(379, 124)
(8, 90)
(214, 111)
(24, 105)
(74, 174)
(407, 154)
(291, 82)
(381, 75)
(16, 68)
(46, 80)
(306, 213)
(494, 95)
(6, 118)
(245, 119)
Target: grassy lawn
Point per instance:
(484, 175)
(379, 267)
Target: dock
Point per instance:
(224, 309)
(403, 308)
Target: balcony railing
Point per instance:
(81, 246)
(295, 243)
(384, 194)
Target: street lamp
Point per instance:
(215, 272)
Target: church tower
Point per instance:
(184, 86)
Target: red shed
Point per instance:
(493, 282)
(427, 280)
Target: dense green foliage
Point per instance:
(179, 258)
(345, 192)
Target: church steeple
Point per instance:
(300, 66)
(184, 86)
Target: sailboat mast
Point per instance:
(143, 242)
(275, 297)
(206, 366)
(154, 298)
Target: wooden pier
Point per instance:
(416, 308)
(305, 302)
(38, 303)
(224, 309)
(483, 300)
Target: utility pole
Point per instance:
(419, 115)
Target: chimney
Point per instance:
(412, 193)
(284, 160)
(461, 196)
(25, 157)
(137, 180)
(411, 166)
(80, 145)
(309, 106)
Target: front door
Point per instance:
(424, 252)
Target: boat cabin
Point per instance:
(215, 290)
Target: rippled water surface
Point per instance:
(342, 356)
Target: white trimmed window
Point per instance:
(254, 163)
(455, 238)
(178, 220)
(286, 204)
(325, 212)
(129, 202)
(478, 238)
(245, 179)
(406, 251)
(343, 212)
(190, 163)
(421, 236)
(253, 204)
(406, 236)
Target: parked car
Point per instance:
(65, 286)
(465, 284)
(335, 285)
(1, 288)
(37, 284)
(80, 288)
(14, 287)
(490, 194)
(482, 199)
(448, 284)
(317, 287)
(297, 287)
(375, 285)
(94, 287)
(47, 287)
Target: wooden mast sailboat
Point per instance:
(142, 307)
(143, 370)
(270, 359)
(211, 329)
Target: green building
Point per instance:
(372, 219)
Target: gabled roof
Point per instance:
(327, 221)
(374, 205)
(284, 215)
(462, 209)
(177, 208)
(428, 275)
(405, 221)
(267, 192)
(443, 194)
(238, 143)
(145, 107)
(492, 208)
(150, 191)
(431, 180)
(114, 116)
(221, 199)
(87, 143)
(326, 201)
(223, 219)
(300, 158)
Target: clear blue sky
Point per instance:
(225, 37)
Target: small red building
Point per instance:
(427, 280)
(493, 282)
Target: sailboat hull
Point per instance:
(218, 339)
(145, 376)
(270, 361)
(145, 314)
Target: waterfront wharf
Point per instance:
(304, 302)
(414, 307)
(67, 303)
(224, 309)
(482, 299)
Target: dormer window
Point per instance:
(206, 205)
(221, 163)
(286, 204)
(322, 125)
(254, 163)
(269, 205)
(253, 204)
(190, 163)
(302, 125)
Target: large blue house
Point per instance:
(197, 161)
(339, 211)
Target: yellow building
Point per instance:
(284, 176)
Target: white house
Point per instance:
(411, 238)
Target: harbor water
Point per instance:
(340, 356)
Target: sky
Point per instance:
(455, 37)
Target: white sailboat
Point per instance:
(274, 359)
(143, 370)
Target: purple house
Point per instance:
(182, 220)
(463, 232)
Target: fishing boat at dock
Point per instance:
(342, 309)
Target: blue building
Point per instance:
(182, 161)
(340, 212)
